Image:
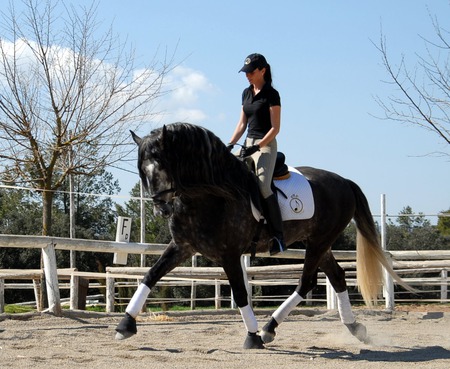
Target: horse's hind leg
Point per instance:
(336, 276)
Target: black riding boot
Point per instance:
(273, 216)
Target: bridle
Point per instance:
(165, 207)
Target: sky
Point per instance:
(327, 69)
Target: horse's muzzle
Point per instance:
(163, 209)
(163, 203)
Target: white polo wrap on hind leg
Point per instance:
(138, 300)
(344, 307)
(248, 316)
(286, 307)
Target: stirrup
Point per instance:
(278, 246)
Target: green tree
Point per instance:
(443, 224)
(156, 228)
(413, 232)
(347, 239)
(20, 213)
(409, 221)
(95, 217)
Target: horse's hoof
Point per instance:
(268, 332)
(267, 336)
(359, 331)
(126, 328)
(253, 341)
(123, 336)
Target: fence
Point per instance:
(404, 262)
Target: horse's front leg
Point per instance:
(233, 270)
(307, 282)
(173, 256)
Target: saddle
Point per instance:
(281, 170)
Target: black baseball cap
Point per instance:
(252, 62)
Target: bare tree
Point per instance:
(423, 92)
(68, 96)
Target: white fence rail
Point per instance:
(403, 262)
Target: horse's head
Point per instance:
(189, 161)
(154, 176)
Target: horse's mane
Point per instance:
(199, 163)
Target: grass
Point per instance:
(178, 308)
(96, 308)
(17, 309)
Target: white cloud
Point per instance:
(189, 115)
(186, 86)
(188, 90)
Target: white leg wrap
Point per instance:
(248, 316)
(138, 300)
(344, 307)
(286, 307)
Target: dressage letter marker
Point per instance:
(122, 235)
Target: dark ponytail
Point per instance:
(268, 75)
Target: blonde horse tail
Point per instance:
(370, 258)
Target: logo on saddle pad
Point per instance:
(295, 197)
(296, 204)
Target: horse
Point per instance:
(205, 191)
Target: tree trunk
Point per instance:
(47, 203)
(48, 257)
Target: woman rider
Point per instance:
(260, 116)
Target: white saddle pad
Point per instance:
(296, 199)
(299, 201)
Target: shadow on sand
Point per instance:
(415, 354)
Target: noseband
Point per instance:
(166, 207)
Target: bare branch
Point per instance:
(424, 92)
(65, 89)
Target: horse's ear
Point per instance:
(136, 138)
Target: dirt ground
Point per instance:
(310, 338)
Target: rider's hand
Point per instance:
(248, 151)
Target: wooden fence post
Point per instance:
(37, 285)
(110, 294)
(444, 276)
(51, 279)
(74, 283)
(2, 295)
(331, 295)
(388, 288)
(218, 297)
(245, 263)
(309, 297)
(193, 285)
